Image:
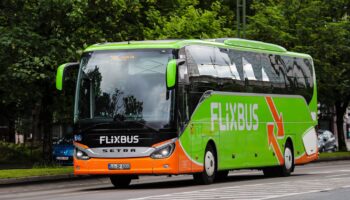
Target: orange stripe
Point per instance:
(272, 108)
(278, 118)
(161, 143)
(272, 140)
(77, 144)
(305, 158)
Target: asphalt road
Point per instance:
(326, 180)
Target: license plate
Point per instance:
(118, 166)
(61, 158)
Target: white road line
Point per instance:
(337, 175)
(259, 191)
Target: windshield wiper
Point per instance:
(145, 125)
(119, 117)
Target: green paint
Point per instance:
(254, 45)
(59, 77)
(177, 44)
(246, 136)
(171, 74)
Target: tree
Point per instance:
(185, 20)
(319, 28)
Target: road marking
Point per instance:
(259, 191)
(337, 175)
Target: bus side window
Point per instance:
(182, 97)
(305, 81)
(252, 72)
(201, 72)
(202, 60)
(251, 66)
(291, 83)
(228, 77)
(305, 71)
(273, 68)
(300, 77)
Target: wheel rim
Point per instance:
(209, 163)
(288, 158)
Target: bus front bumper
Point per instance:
(147, 165)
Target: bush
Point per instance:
(11, 153)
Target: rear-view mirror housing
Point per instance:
(61, 72)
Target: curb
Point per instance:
(42, 179)
(332, 159)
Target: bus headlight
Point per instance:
(80, 155)
(163, 152)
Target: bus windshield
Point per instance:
(124, 85)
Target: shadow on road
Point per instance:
(179, 183)
(168, 183)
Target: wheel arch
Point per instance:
(290, 141)
(212, 143)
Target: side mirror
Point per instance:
(171, 74)
(61, 70)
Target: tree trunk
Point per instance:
(340, 112)
(46, 121)
(47, 139)
(11, 131)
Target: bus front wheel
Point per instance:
(120, 181)
(209, 172)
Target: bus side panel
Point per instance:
(253, 128)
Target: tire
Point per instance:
(287, 168)
(120, 181)
(208, 175)
(335, 148)
(322, 149)
(221, 175)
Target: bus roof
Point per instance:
(232, 43)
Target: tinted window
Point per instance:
(273, 69)
(213, 68)
(299, 76)
(211, 61)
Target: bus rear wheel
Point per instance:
(209, 172)
(120, 181)
(287, 168)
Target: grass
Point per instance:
(22, 173)
(341, 154)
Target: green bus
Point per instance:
(200, 107)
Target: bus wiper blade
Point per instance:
(106, 121)
(145, 125)
(119, 117)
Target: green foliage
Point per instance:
(187, 21)
(19, 153)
